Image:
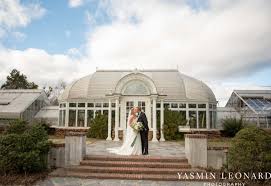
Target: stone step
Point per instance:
(130, 170)
(136, 158)
(149, 164)
(121, 176)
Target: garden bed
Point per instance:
(21, 179)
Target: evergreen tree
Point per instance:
(16, 80)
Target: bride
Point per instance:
(127, 148)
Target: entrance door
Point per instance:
(129, 102)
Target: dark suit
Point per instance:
(144, 133)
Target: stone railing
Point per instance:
(75, 147)
(200, 155)
(196, 149)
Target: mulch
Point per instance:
(21, 179)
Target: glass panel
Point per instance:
(202, 119)
(105, 104)
(142, 105)
(81, 104)
(214, 106)
(98, 112)
(90, 104)
(211, 119)
(113, 104)
(81, 118)
(192, 105)
(72, 104)
(210, 106)
(166, 105)
(202, 105)
(158, 105)
(90, 116)
(129, 105)
(62, 105)
(98, 105)
(182, 105)
(214, 120)
(62, 118)
(183, 114)
(193, 119)
(174, 105)
(105, 112)
(136, 88)
(72, 117)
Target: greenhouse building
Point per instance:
(115, 92)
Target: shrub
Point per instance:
(98, 127)
(231, 126)
(16, 127)
(24, 151)
(250, 151)
(173, 120)
(44, 124)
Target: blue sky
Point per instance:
(208, 39)
(61, 28)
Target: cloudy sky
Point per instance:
(225, 43)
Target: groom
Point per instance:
(141, 117)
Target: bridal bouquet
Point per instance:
(137, 126)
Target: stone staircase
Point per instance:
(128, 167)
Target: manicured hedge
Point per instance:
(23, 148)
(98, 127)
(172, 120)
(250, 151)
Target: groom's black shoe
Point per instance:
(145, 153)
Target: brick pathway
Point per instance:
(59, 181)
(170, 149)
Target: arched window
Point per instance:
(136, 88)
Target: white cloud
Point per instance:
(19, 36)
(14, 14)
(39, 66)
(228, 39)
(235, 36)
(75, 3)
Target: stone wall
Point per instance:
(196, 150)
(217, 157)
(56, 157)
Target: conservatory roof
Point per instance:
(48, 112)
(257, 100)
(172, 83)
(14, 102)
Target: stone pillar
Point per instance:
(196, 150)
(162, 138)
(109, 121)
(154, 138)
(117, 120)
(75, 147)
(67, 115)
(207, 116)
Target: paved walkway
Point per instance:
(170, 149)
(56, 181)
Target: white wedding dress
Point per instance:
(126, 148)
